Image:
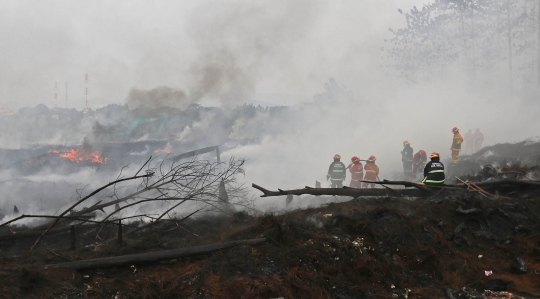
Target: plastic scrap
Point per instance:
(499, 295)
(488, 272)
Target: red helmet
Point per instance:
(454, 129)
(372, 159)
(422, 152)
(355, 159)
(405, 142)
(434, 155)
(337, 156)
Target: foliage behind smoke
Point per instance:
(161, 96)
(495, 40)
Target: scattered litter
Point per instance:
(327, 215)
(392, 286)
(500, 295)
(488, 272)
(480, 256)
(86, 276)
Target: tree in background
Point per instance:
(473, 37)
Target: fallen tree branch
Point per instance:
(33, 233)
(152, 257)
(498, 183)
(402, 183)
(158, 219)
(194, 153)
(143, 166)
(79, 218)
(340, 192)
(80, 201)
(62, 257)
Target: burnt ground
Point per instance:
(437, 247)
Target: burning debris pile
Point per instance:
(80, 154)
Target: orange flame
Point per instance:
(166, 150)
(79, 155)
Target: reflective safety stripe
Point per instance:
(370, 171)
(434, 182)
(434, 171)
(359, 172)
(456, 149)
(338, 170)
(337, 179)
(425, 180)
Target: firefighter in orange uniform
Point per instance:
(456, 145)
(372, 172)
(357, 173)
(478, 139)
(419, 161)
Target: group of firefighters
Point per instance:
(338, 172)
(412, 164)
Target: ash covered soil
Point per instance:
(438, 247)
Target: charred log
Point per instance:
(341, 192)
(153, 257)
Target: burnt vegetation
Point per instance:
(452, 242)
(368, 248)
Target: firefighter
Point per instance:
(434, 171)
(372, 172)
(478, 139)
(407, 159)
(357, 173)
(419, 161)
(468, 140)
(456, 145)
(336, 172)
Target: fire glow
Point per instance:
(166, 150)
(79, 155)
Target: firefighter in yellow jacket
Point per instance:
(456, 145)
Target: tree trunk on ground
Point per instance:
(343, 192)
(152, 257)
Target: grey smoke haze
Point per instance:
(172, 53)
(263, 47)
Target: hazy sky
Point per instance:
(288, 47)
(228, 51)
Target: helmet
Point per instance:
(355, 159)
(372, 159)
(337, 156)
(454, 129)
(434, 155)
(405, 142)
(422, 152)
